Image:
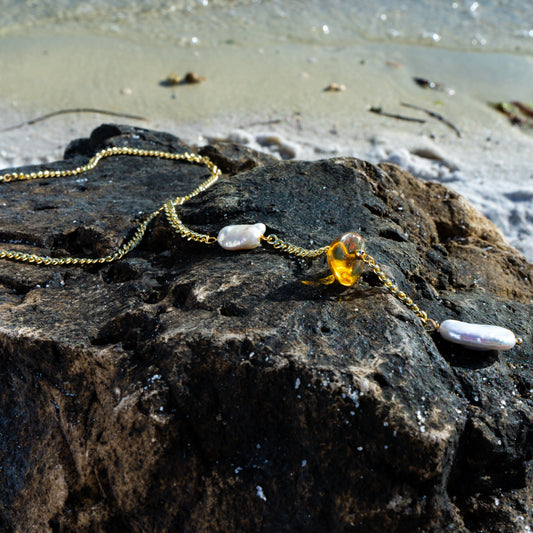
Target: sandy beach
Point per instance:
(273, 98)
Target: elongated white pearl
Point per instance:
(477, 336)
(241, 236)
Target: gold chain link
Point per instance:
(54, 261)
(141, 230)
(183, 230)
(395, 290)
(176, 223)
(292, 249)
(108, 152)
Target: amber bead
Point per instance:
(342, 258)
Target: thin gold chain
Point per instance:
(55, 261)
(292, 249)
(175, 222)
(395, 290)
(108, 152)
(183, 230)
(141, 229)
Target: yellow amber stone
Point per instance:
(343, 262)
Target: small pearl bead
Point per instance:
(241, 236)
(477, 336)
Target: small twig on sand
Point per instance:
(264, 123)
(434, 115)
(379, 111)
(526, 109)
(518, 113)
(66, 111)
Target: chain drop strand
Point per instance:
(428, 323)
(176, 223)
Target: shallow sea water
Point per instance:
(490, 25)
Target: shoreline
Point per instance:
(273, 99)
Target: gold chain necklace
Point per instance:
(345, 256)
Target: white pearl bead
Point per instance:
(477, 336)
(241, 236)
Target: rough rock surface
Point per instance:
(186, 388)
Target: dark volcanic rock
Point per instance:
(186, 388)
